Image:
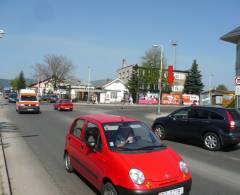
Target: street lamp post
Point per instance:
(1, 33)
(89, 78)
(160, 79)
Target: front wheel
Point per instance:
(160, 132)
(211, 141)
(108, 189)
(67, 163)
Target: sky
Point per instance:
(99, 34)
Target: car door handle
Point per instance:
(206, 122)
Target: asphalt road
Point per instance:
(213, 173)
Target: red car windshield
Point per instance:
(130, 136)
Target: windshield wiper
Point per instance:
(150, 147)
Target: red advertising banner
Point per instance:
(173, 99)
(170, 75)
(189, 99)
(142, 101)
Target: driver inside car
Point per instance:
(124, 136)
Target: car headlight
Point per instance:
(137, 176)
(183, 167)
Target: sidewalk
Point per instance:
(26, 174)
(125, 105)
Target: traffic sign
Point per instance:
(237, 90)
(237, 80)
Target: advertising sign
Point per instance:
(173, 99)
(188, 99)
(170, 75)
(237, 80)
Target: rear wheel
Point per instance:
(211, 141)
(67, 163)
(160, 132)
(108, 189)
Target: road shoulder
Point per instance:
(27, 175)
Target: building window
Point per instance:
(178, 88)
(113, 95)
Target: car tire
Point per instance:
(160, 132)
(67, 163)
(108, 188)
(211, 141)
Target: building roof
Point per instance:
(219, 92)
(101, 83)
(233, 36)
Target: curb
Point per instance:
(4, 179)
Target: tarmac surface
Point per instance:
(34, 145)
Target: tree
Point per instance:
(152, 58)
(14, 83)
(133, 84)
(151, 64)
(222, 87)
(19, 82)
(193, 83)
(57, 68)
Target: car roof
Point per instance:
(107, 118)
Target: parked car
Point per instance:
(44, 97)
(52, 98)
(120, 155)
(214, 127)
(63, 104)
(12, 97)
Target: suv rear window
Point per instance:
(216, 116)
(235, 114)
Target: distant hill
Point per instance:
(6, 82)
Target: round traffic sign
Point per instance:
(237, 80)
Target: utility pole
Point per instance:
(210, 88)
(174, 45)
(89, 80)
(160, 79)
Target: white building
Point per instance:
(112, 91)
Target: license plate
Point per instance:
(177, 191)
(30, 109)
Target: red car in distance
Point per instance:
(121, 155)
(63, 104)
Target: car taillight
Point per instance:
(231, 122)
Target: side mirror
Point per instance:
(172, 117)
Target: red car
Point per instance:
(63, 104)
(120, 155)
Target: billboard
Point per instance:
(189, 99)
(171, 99)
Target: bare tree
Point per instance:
(57, 68)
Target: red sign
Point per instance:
(237, 80)
(170, 75)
